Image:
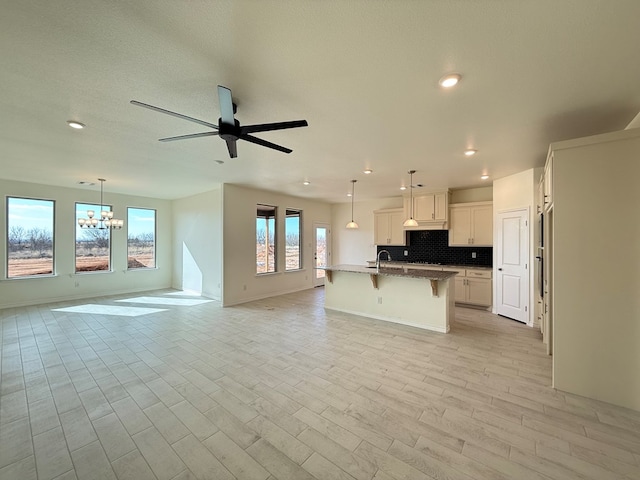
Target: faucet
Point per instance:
(378, 258)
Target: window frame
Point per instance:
(53, 238)
(299, 215)
(274, 208)
(155, 240)
(75, 238)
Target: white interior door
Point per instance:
(512, 279)
(321, 252)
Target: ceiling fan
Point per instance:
(228, 128)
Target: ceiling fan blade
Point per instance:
(264, 143)
(226, 105)
(265, 127)
(184, 137)
(174, 114)
(231, 146)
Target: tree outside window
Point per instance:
(141, 238)
(29, 237)
(93, 245)
(266, 239)
(293, 239)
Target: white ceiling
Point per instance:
(363, 73)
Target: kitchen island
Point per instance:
(420, 298)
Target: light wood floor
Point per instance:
(281, 389)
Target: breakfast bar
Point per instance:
(420, 298)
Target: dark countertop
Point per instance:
(394, 272)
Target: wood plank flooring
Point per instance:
(282, 389)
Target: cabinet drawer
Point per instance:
(478, 273)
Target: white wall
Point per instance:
(66, 284)
(512, 193)
(596, 272)
(240, 281)
(480, 194)
(197, 250)
(356, 246)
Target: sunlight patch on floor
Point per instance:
(181, 302)
(92, 308)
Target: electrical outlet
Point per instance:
(473, 254)
(406, 253)
(379, 300)
(244, 287)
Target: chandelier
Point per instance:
(106, 220)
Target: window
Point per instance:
(141, 238)
(93, 245)
(266, 239)
(293, 247)
(29, 237)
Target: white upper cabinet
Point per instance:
(430, 210)
(387, 225)
(471, 224)
(548, 183)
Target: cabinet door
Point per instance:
(479, 291)
(548, 183)
(441, 205)
(396, 230)
(482, 225)
(423, 208)
(460, 226)
(461, 289)
(381, 229)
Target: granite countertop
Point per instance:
(410, 264)
(394, 272)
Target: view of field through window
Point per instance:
(29, 237)
(293, 241)
(266, 239)
(93, 245)
(141, 238)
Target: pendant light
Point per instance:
(410, 222)
(352, 224)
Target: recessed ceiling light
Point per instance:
(449, 80)
(76, 125)
(306, 182)
(484, 177)
(470, 152)
(368, 171)
(403, 188)
(349, 194)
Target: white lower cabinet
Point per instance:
(473, 286)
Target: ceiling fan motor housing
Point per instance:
(229, 132)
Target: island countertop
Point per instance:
(393, 272)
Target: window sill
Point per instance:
(268, 274)
(29, 277)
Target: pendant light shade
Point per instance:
(352, 224)
(410, 222)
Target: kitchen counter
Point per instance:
(393, 272)
(418, 265)
(394, 294)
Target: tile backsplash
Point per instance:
(433, 246)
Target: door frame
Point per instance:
(319, 282)
(527, 277)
